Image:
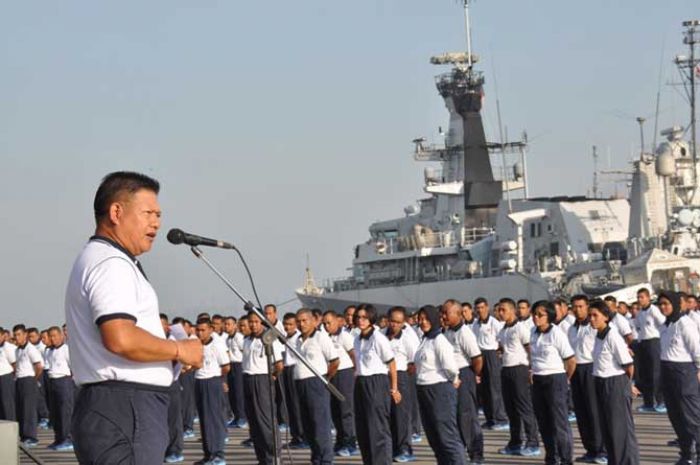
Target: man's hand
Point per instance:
(190, 352)
(396, 396)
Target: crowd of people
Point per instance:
(531, 368)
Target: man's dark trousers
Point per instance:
(61, 400)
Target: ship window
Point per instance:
(594, 214)
(532, 229)
(554, 248)
(535, 229)
(539, 229)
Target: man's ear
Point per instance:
(116, 210)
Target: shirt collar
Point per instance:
(116, 245)
(23, 345)
(510, 325)
(391, 336)
(488, 317)
(458, 326)
(369, 333)
(313, 333)
(549, 328)
(602, 334)
(585, 322)
(58, 347)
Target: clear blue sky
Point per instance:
(285, 127)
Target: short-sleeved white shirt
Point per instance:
(319, 350)
(582, 339)
(435, 361)
(106, 283)
(464, 343)
(621, 325)
(59, 361)
(548, 350)
(528, 323)
(26, 357)
(404, 347)
(680, 341)
(610, 354)
(513, 339)
(372, 353)
(343, 342)
(235, 347)
(289, 359)
(254, 358)
(487, 333)
(649, 322)
(7, 358)
(214, 357)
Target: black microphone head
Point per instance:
(176, 236)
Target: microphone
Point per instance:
(178, 236)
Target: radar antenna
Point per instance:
(689, 67)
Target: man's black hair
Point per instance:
(117, 184)
(19, 327)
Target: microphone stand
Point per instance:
(269, 337)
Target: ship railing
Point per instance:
(422, 240)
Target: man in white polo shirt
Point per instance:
(61, 390)
(120, 357)
(28, 369)
(7, 378)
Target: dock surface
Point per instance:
(653, 432)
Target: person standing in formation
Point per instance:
(61, 390)
(486, 329)
(376, 386)
(437, 378)
(404, 344)
(7, 379)
(649, 322)
(257, 391)
(342, 413)
(296, 427)
(234, 342)
(469, 363)
(514, 343)
(28, 369)
(314, 399)
(553, 363)
(680, 363)
(613, 370)
(582, 339)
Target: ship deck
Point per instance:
(653, 431)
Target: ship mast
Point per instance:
(691, 65)
(468, 26)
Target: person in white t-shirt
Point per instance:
(234, 341)
(650, 322)
(61, 390)
(613, 369)
(119, 354)
(270, 312)
(29, 366)
(296, 429)
(314, 399)
(376, 386)
(209, 394)
(552, 364)
(7, 378)
(342, 413)
(40, 341)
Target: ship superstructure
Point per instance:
(476, 233)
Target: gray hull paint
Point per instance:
(414, 296)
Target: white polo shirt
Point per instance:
(319, 350)
(435, 361)
(289, 359)
(582, 339)
(106, 283)
(649, 321)
(404, 346)
(621, 325)
(487, 333)
(254, 358)
(372, 354)
(565, 324)
(59, 362)
(680, 341)
(26, 357)
(214, 357)
(513, 339)
(464, 344)
(7, 358)
(610, 354)
(235, 347)
(343, 342)
(528, 323)
(548, 350)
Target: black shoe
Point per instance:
(673, 443)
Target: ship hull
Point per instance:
(413, 296)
